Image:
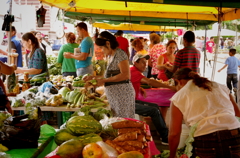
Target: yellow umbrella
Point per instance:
(135, 27)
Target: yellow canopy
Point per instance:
(135, 27)
(144, 9)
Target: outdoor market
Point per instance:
(119, 79)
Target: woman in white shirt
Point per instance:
(211, 107)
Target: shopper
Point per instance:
(144, 108)
(232, 64)
(122, 42)
(210, 49)
(156, 50)
(210, 108)
(68, 65)
(86, 52)
(38, 34)
(5, 103)
(167, 58)
(118, 88)
(37, 62)
(188, 57)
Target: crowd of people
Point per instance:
(202, 104)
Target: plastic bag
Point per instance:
(109, 151)
(4, 155)
(46, 131)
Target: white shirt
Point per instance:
(213, 108)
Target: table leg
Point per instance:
(59, 119)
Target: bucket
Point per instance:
(183, 136)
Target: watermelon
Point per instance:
(80, 125)
(62, 135)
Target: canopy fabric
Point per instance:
(117, 19)
(142, 9)
(135, 27)
(210, 3)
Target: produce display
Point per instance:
(54, 68)
(37, 80)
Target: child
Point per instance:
(232, 63)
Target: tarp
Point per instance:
(142, 9)
(118, 19)
(135, 27)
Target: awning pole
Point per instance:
(9, 33)
(204, 50)
(217, 44)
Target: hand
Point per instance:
(219, 70)
(87, 78)
(18, 70)
(161, 67)
(67, 55)
(100, 82)
(173, 88)
(143, 92)
(14, 67)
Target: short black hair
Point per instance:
(189, 36)
(14, 29)
(82, 25)
(119, 32)
(211, 37)
(233, 51)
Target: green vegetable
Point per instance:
(79, 83)
(101, 112)
(80, 125)
(11, 82)
(93, 82)
(63, 91)
(3, 116)
(72, 95)
(45, 74)
(38, 80)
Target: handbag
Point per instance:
(21, 132)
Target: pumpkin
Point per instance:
(92, 150)
(80, 125)
(131, 154)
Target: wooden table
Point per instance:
(58, 109)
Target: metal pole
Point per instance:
(236, 37)
(9, 33)
(217, 44)
(205, 55)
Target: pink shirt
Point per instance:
(209, 46)
(154, 53)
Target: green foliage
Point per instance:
(238, 49)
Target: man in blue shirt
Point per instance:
(232, 63)
(84, 57)
(15, 44)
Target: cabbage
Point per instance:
(63, 91)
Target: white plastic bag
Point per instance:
(109, 152)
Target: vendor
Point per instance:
(210, 108)
(37, 63)
(4, 103)
(118, 88)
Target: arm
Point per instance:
(175, 129)
(83, 56)
(128, 54)
(3, 52)
(235, 106)
(155, 83)
(6, 69)
(31, 71)
(124, 74)
(222, 68)
(160, 63)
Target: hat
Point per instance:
(139, 56)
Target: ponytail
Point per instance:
(188, 74)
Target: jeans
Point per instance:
(85, 70)
(232, 80)
(220, 144)
(152, 110)
(69, 74)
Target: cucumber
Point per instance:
(45, 74)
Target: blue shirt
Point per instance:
(18, 45)
(233, 64)
(86, 46)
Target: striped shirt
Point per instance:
(188, 57)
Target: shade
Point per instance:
(145, 9)
(135, 27)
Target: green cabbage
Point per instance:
(63, 91)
